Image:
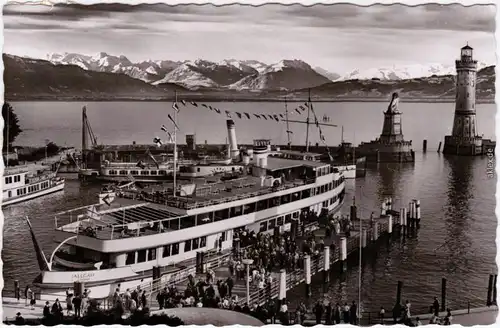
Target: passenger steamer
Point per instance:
(121, 241)
(22, 183)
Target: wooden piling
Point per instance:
(307, 272)
(398, 292)
(443, 294)
(354, 212)
(490, 291)
(17, 290)
(424, 146)
(439, 148)
(494, 299)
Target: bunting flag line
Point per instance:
(175, 107)
(241, 115)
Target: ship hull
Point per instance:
(34, 195)
(101, 283)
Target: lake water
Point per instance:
(457, 236)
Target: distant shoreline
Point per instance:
(220, 99)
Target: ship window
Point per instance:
(154, 173)
(175, 249)
(262, 205)
(134, 172)
(144, 172)
(130, 258)
(187, 222)
(7, 180)
(123, 172)
(187, 246)
(162, 172)
(285, 199)
(9, 194)
(272, 224)
(166, 250)
(221, 214)
(325, 203)
(296, 215)
(151, 254)
(306, 193)
(273, 202)
(17, 178)
(288, 218)
(196, 243)
(223, 236)
(204, 218)
(279, 221)
(198, 169)
(295, 196)
(141, 256)
(236, 211)
(203, 241)
(249, 208)
(263, 226)
(173, 224)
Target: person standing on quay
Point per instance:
(436, 307)
(318, 311)
(381, 315)
(338, 311)
(346, 313)
(353, 313)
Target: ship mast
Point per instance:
(288, 132)
(175, 147)
(307, 122)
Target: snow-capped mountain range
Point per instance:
(235, 74)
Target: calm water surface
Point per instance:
(457, 236)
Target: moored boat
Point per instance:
(125, 238)
(25, 182)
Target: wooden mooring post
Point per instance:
(490, 291)
(282, 291)
(439, 148)
(424, 146)
(443, 294)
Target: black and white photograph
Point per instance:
(252, 164)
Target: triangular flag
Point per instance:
(141, 165)
(107, 200)
(298, 111)
(239, 115)
(228, 114)
(204, 105)
(194, 104)
(170, 117)
(256, 115)
(175, 107)
(248, 115)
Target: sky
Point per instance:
(340, 37)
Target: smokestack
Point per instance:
(231, 133)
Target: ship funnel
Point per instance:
(231, 133)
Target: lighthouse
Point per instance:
(464, 139)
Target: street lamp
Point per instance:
(248, 263)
